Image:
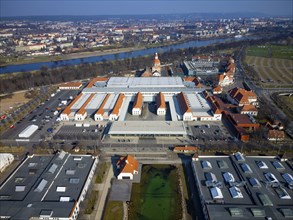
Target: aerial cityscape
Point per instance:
(146, 110)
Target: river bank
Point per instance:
(129, 53)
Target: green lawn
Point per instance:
(271, 51)
(113, 211)
(90, 202)
(102, 169)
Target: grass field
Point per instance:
(272, 63)
(272, 70)
(91, 201)
(286, 104)
(11, 101)
(114, 211)
(271, 51)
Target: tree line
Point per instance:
(46, 76)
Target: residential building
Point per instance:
(276, 135)
(128, 166)
(217, 90)
(248, 109)
(225, 80)
(240, 97)
(70, 86)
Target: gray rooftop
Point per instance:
(147, 82)
(154, 90)
(254, 197)
(147, 127)
(41, 182)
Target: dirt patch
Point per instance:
(12, 101)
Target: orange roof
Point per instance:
(194, 80)
(138, 101)
(128, 164)
(118, 104)
(185, 148)
(214, 105)
(156, 60)
(161, 101)
(218, 89)
(82, 110)
(98, 79)
(231, 68)
(241, 95)
(67, 110)
(183, 103)
(101, 109)
(222, 76)
(248, 108)
(146, 74)
(71, 84)
(276, 134)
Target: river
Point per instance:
(122, 55)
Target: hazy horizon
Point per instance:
(11, 8)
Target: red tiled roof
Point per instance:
(118, 104)
(82, 110)
(214, 105)
(161, 101)
(98, 79)
(248, 108)
(194, 80)
(231, 68)
(243, 120)
(128, 164)
(276, 134)
(185, 148)
(241, 95)
(71, 84)
(218, 89)
(67, 110)
(138, 101)
(101, 109)
(183, 103)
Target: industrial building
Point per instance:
(108, 99)
(244, 187)
(201, 67)
(47, 187)
(114, 99)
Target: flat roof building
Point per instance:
(244, 187)
(201, 67)
(47, 187)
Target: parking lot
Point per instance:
(43, 116)
(149, 113)
(70, 132)
(209, 133)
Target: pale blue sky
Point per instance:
(99, 7)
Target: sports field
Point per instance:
(273, 64)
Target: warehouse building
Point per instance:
(118, 98)
(47, 187)
(244, 187)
